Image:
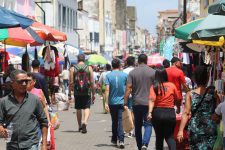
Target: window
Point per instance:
(60, 14)
(206, 3)
(71, 18)
(64, 16)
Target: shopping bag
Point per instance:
(128, 124)
(54, 119)
(219, 140)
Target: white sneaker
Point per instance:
(144, 147)
(121, 145)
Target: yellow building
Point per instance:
(204, 4)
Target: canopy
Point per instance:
(220, 42)
(189, 47)
(155, 59)
(11, 19)
(217, 8)
(185, 30)
(51, 34)
(211, 28)
(16, 37)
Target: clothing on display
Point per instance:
(25, 62)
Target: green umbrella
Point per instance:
(95, 59)
(217, 8)
(185, 30)
(211, 28)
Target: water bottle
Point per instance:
(9, 132)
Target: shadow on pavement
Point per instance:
(105, 145)
(70, 131)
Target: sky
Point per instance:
(147, 11)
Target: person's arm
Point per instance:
(44, 132)
(92, 83)
(107, 98)
(3, 131)
(71, 78)
(45, 107)
(151, 102)
(185, 117)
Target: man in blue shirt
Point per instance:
(115, 88)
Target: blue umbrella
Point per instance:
(11, 19)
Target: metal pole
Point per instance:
(41, 10)
(185, 11)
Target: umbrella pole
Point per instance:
(4, 54)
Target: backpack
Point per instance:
(81, 80)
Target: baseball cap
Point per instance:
(175, 59)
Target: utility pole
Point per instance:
(184, 11)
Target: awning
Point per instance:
(217, 8)
(185, 30)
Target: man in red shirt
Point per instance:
(176, 76)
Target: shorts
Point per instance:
(82, 102)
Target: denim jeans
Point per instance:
(34, 147)
(140, 118)
(164, 122)
(66, 84)
(117, 125)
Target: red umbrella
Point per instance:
(155, 59)
(51, 34)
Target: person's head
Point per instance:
(166, 63)
(201, 75)
(142, 59)
(19, 81)
(176, 62)
(116, 63)
(130, 61)
(81, 58)
(35, 64)
(32, 81)
(160, 78)
(108, 67)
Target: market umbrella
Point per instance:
(211, 28)
(51, 34)
(185, 30)
(217, 8)
(11, 19)
(16, 37)
(95, 59)
(155, 59)
(189, 47)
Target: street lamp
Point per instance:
(42, 2)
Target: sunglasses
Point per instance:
(22, 81)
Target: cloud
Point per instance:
(147, 11)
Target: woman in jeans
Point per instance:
(161, 109)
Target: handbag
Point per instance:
(199, 104)
(128, 124)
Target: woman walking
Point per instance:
(161, 109)
(200, 104)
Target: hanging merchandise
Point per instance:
(35, 54)
(25, 61)
(51, 61)
(66, 57)
(4, 59)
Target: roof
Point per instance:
(169, 11)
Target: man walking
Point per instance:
(115, 89)
(40, 80)
(24, 112)
(138, 83)
(176, 76)
(82, 83)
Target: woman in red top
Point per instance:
(161, 109)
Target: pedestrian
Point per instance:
(82, 83)
(102, 85)
(115, 90)
(161, 109)
(65, 76)
(130, 63)
(40, 80)
(166, 63)
(138, 83)
(200, 104)
(24, 112)
(220, 111)
(54, 88)
(176, 76)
